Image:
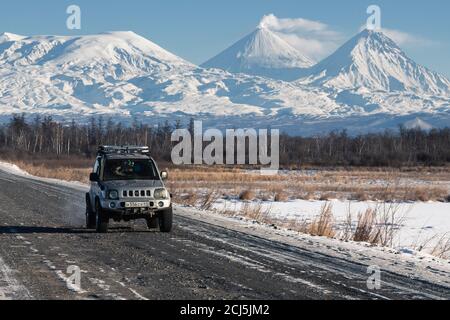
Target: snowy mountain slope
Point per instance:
(120, 73)
(115, 51)
(5, 37)
(80, 74)
(373, 61)
(123, 75)
(262, 53)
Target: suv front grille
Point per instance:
(136, 193)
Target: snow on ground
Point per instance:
(416, 265)
(12, 168)
(9, 286)
(419, 222)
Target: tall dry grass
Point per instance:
(209, 200)
(442, 247)
(319, 184)
(323, 225)
(421, 184)
(378, 225)
(364, 231)
(54, 171)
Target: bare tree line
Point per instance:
(405, 147)
(45, 137)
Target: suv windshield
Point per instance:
(131, 169)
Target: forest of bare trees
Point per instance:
(44, 137)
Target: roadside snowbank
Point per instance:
(13, 169)
(416, 265)
(420, 223)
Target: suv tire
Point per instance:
(101, 221)
(90, 215)
(166, 220)
(153, 222)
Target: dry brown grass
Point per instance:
(378, 225)
(442, 247)
(247, 195)
(190, 199)
(209, 199)
(323, 225)
(253, 212)
(409, 185)
(53, 171)
(365, 226)
(327, 196)
(437, 245)
(281, 197)
(360, 196)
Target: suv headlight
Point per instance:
(113, 195)
(161, 194)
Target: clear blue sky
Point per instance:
(198, 29)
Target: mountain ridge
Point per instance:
(123, 75)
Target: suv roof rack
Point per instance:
(104, 150)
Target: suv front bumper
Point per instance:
(137, 205)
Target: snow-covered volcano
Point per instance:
(82, 74)
(123, 51)
(123, 75)
(373, 61)
(262, 53)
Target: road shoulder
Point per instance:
(420, 267)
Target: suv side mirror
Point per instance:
(93, 177)
(164, 175)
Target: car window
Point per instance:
(120, 169)
(97, 166)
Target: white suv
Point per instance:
(126, 184)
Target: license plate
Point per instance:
(136, 204)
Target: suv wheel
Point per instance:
(153, 222)
(166, 220)
(90, 215)
(101, 221)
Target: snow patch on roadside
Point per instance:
(421, 224)
(414, 264)
(15, 170)
(12, 168)
(10, 288)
